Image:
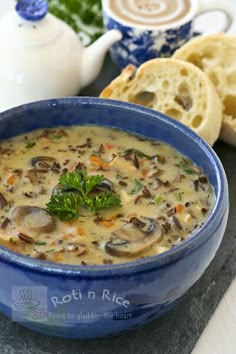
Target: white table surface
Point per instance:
(219, 336)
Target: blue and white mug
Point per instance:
(153, 28)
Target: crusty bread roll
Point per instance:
(174, 87)
(216, 55)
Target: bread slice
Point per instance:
(174, 87)
(216, 55)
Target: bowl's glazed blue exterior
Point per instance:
(94, 301)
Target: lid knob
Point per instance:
(32, 10)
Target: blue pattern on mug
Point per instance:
(138, 45)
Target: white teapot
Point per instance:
(41, 56)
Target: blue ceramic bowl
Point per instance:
(95, 301)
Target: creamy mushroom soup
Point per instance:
(91, 195)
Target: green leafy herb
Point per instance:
(186, 169)
(138, 153)
(66, 205)
(29, 143)
(102, 201)
(40, 243)
(81, 15)
(79, 180)
(57, 136)
(137, 187)
(119, 176)
(159, 199)
(189, 170)
(179, 196)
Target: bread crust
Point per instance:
(216, 55)
(173, 87)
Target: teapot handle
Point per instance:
(217, 5)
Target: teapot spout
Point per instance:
(93, 56)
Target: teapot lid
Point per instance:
(32, 10)
(30, 25)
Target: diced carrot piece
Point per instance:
(65, 237)
(57, 257)
(80, 230)
(109, 146)
(179, 208)
(11, 179)
(53, 243)
(106, 223)
(97, 161)
(144, 173)
(106, 165)
(94, 159)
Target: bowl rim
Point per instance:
(140, 265)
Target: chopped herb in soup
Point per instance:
(92, 195)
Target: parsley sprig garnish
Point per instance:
(80, 181)
(102, 201)
(66, 205)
